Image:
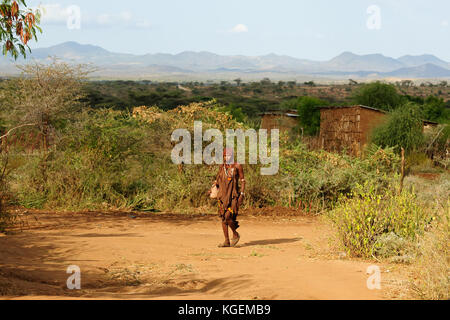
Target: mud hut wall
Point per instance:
(368, 121)
(340, 128)
(282, 122)
(348, 128)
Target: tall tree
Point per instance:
(378, 95)
(46, 94)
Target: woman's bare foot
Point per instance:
(236, 239)
(226, 244)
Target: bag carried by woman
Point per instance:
(214, 191)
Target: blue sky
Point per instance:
(317, 30)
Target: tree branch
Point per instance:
(435, 138)
(23, 125)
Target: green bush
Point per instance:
(435, 110)
(370, 223)
(100, 162)
(309, 114)
(234, 111)
(109, 159)
(378, 95)
(308, 111)
(320, 178)
(403, 128)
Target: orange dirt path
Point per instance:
(176, 257)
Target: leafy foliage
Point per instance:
(45, 94)
(18, 25)
(113, 159)
(320, 178)
(435, 110)
(378, 95)
(309, 114)
(234, 111)
(308, 111)
(365, 219)
(403, 128)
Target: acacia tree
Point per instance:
(46, 94)
(18, 25)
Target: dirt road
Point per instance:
(176, 257)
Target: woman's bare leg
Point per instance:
(233, 228)
(226, 243)
(225, 231)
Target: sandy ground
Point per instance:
(176, 257)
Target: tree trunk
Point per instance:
(45, 132)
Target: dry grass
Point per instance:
(431, 278)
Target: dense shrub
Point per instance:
(100, 160)
(308, 111)
(403, 129)
(113, 159)
(435, 110)
(319, 177)
(371, 223)
(309, 114)
(378, 95)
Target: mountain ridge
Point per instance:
(191, 62)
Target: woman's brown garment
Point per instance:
(228, 195)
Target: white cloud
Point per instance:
(109, 19)
(145, 24)
(444, 23)
(124, 17)
(104, 19)
(239, 28)
(54, 13)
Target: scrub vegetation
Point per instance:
(70, 146)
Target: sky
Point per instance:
(316, 30)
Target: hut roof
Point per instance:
(426, 122)
(355, 106)
(288, 113)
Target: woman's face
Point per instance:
(227, 157)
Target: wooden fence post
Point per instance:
(403, 170)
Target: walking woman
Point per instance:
(230, 196)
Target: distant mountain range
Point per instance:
(210, 65)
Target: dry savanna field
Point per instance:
(93, 207)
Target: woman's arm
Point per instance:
(240, 169)
(217, 175)
(216, 182)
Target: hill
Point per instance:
(214, 66)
